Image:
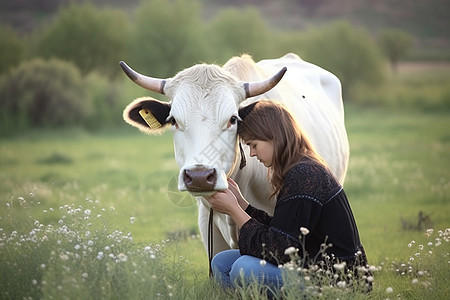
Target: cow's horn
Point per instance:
(260, 87)
(149, 83)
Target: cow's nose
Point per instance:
(200, 179)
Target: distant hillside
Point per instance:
(427, 20)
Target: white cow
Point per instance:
(203, 113)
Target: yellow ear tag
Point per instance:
(150, 119)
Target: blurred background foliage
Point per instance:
(88, 37)
(59, 59)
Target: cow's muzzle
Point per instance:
(200, 179)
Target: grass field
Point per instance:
(399, 167)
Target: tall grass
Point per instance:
(76, 251)
(58, 190)
(83, 256)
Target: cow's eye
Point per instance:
(233, 120)
(172, 121)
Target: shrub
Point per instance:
(168, 36)
(227, 38)
(90, 38)
(395, 45)
(349, 52)
(12, 49)
(42, 93)
(104, 101)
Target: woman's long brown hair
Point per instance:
(270, 121)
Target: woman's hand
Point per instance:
(234, 188)
(225, 202)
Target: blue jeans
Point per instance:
(232, 269)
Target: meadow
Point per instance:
(95, 215)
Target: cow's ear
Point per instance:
(244, 111)
(147, 114)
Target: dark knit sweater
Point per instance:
(312, 198)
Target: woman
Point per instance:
(308, 198)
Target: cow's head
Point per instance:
(203, 115)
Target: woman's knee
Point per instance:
(221, 266)
(249, 268)
(225, 259)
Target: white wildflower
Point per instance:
(64, 256)
(122, 257)
(290, 250)
(340, 266)
(304, 230)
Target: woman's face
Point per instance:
(263, 150)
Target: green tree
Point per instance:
(12, 49)
(90, 38)
(234, 32)
(288, 41)
(168, 36)
(395, 44)
(41, 93)
(348, 52)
